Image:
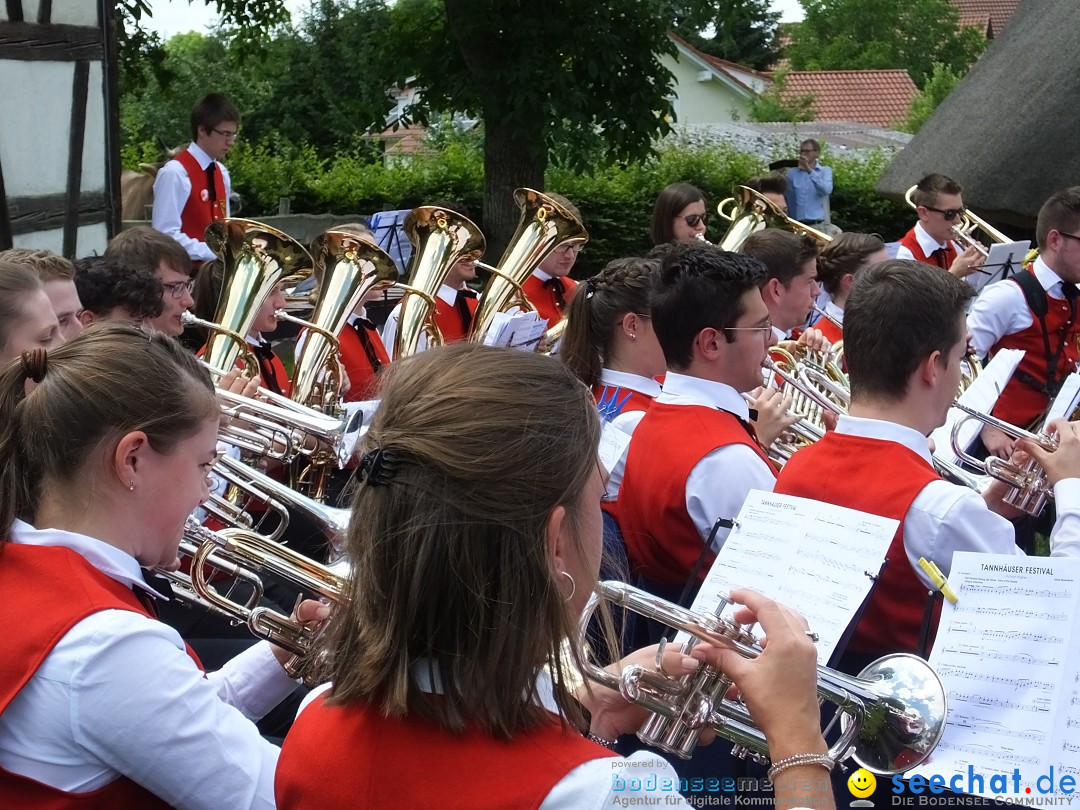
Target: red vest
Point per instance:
(448, 319)
(661, 539)
(545, 300)
(832, 332)
(272, 371)
(353, 757)
(911, 242)
(361, 371)
(1020, 403)
(199, 210)
(637, 401)
(889, 478)
(75, 590)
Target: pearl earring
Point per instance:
(131, 486)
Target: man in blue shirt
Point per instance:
(809, 186)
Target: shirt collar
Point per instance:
(834, 310)
(1049, 280)
(427, 678)
(682, 389)
(447, 294)
(540, 274)
(910, 438)
(632, 382)
(779, 334)
(200, 155)
(109, 560)
(928, 243)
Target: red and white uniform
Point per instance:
(623, 399)
(183, 204)
(917, 245)
(447, 317)
(549, 294)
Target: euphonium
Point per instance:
(1030, 489)
(440, 238)
(346, 269)
(254, 258)
(748, 211)
(893, 714)
(542, 227)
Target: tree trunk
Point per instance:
(511, 160)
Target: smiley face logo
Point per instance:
(861, 783)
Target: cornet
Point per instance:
(893, 714)
(1030, 489)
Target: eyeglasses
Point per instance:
(229, 135)
(177, 288)
(808, 151)
(766, 328)
(568, 248)
(692, 220)
(949, 213)
(1070, 236)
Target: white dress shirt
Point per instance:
(119, 695)
(446, 294)
(946, 517)
(1002, 310)
(720, 482)
(172, 187)
(628, 421)
(928, 244)
(833, 311)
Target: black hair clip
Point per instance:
(590, 287)
(377, 468)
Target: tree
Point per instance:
(864, 34)
(769, 105)
(940, 84)
(743, 31)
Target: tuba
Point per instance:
(254, 258)
(440, 238)
(749, 211)
(346, 269)
(542, 227)
(893, 714)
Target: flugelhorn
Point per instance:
(1029, 487)
(963, 232)
(892, 714)
(749, 211)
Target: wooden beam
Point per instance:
(77, 133)
(15, 10)
(24, 41)
(50, 211)
(44, 14)
(5, 217)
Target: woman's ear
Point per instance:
(630, 324)
(129, 458)
(559, 542)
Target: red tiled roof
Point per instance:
(875, 97)
(407, 140)
(989, 16)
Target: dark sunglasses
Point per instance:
(693, 219)
(949, 213)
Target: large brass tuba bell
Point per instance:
(543, 225)
(749, 211)
(893, 714)
(254, 258)
(440, 238)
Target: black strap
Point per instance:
(361, 326)
(461, 303)
(265, 355)
(211, 187)
(1036, 298)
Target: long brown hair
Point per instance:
(595, 312)
(450, 561)
(16, 282)
(110, 379)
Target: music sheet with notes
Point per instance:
(1008, 653)
(811, 556)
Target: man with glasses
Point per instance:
(192, 190)
(809, 186)
(148, 253)
(694, 456)
(1035, 311)
(549, 287)
(940, 207)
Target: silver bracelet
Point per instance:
(824, 760)
(601, 741)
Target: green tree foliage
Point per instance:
(941, 83)
(743, 31)
(863, 34)
(769, 106)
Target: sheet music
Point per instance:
(809, 555)
(613, 444)
(1007, 654)
(1004, 259)
(1067, 400)
(516, 329)
(982, 395)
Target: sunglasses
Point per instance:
(949, 213)
(692, 220)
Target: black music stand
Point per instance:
(1003, 260)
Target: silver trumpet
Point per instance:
(1030, 489)
(892, 715)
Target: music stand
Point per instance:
(388, 228)
(1004, 259)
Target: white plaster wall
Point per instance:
(91, 240)
(34, 139)
(67, 12)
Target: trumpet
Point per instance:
(892, 714)
(1030, 489)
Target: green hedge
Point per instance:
(616, 201)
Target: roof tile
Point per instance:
(984, 13)
(876, 97)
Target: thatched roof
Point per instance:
(1009, 132)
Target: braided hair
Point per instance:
(845, 254)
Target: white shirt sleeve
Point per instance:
(171, 191)
(720, 482)
(119, 695)
(389, 330)
(606, 782)
(998, 311)
(946, 518)
(902, 252)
